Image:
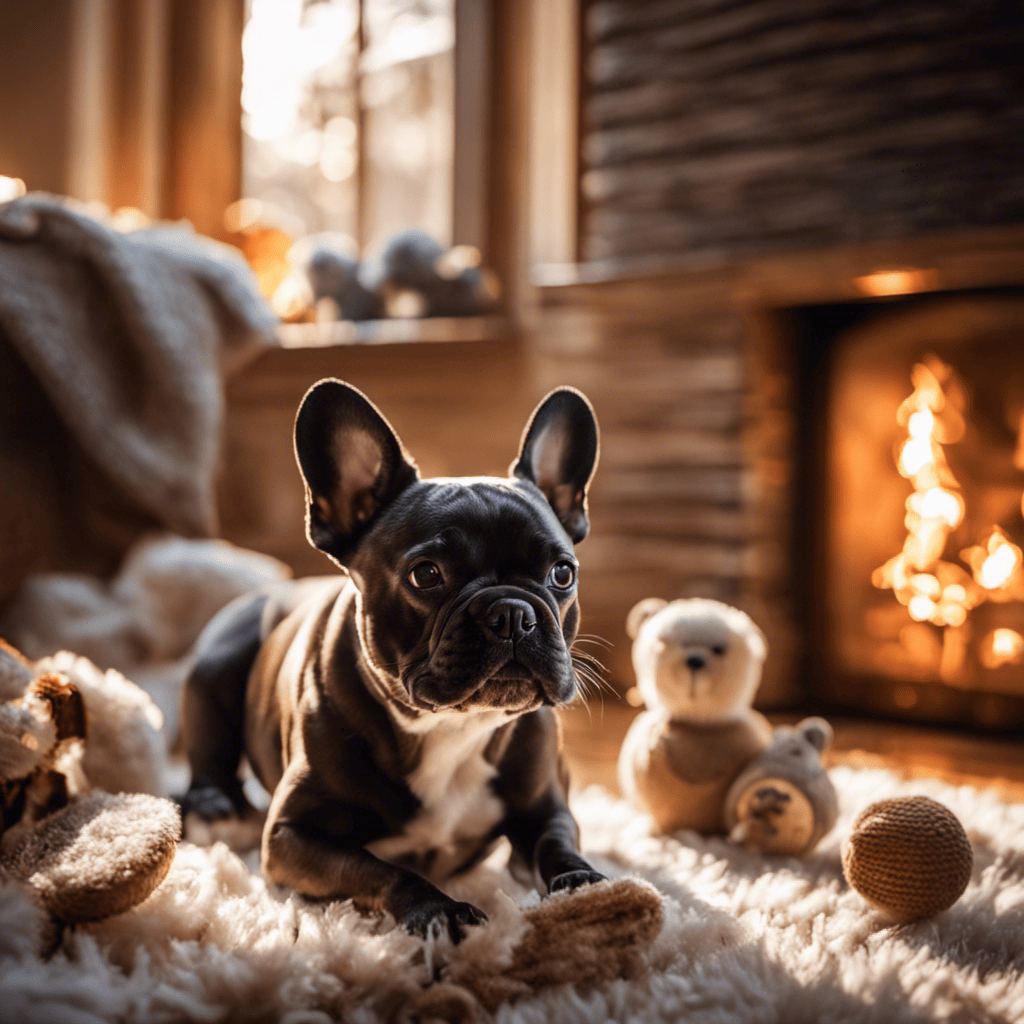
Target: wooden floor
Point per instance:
(593, 736)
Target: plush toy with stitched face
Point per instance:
(698, 665)
(783, 801)
(84, 854)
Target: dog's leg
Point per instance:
(309, 846)
(545, 836)
(213, 713)
(534, 784)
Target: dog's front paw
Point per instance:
(211, 803)
(437, 918)
(574, 879)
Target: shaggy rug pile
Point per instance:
(689, 929)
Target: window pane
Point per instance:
(407, 73)
(304, 81)
(300, 117)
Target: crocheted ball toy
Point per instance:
(908, 856)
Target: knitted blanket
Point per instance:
(129, 334)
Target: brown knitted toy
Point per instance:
(587, 937)
(908, 856)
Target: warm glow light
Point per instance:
(916, 454)
(1002, 647)
(11, 188)
(896, 282)
(935, 592)
(997, 569)
(952, 614)
(938, 503)
(918, 577)
(926, 584)
(923, 547)
(282, 46)
(243, 214)
(921, 424)
(1007, 643)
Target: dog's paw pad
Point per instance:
(574, 879)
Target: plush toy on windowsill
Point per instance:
(81, 853)
(700, 757)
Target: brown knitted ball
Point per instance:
(908, 856)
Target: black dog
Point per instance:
(401, 715)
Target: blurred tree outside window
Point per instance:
(348, 117)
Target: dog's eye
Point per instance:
(718, 649)
(424, 575)
(562, 575)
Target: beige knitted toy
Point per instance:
(84, 854)
(698, 665)
(909, 856)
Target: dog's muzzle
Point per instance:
(502, 648)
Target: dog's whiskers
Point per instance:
(594, 667)
(589, 677)
(593, 638)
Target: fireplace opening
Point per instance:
(908, 528)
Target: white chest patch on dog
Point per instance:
(452, 782)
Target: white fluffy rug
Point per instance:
(744, 939)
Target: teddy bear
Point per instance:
(698, 664)
(84, 854)
(783, 801)
(700, 757)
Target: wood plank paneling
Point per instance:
(673, 507)
(724, 129)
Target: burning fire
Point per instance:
(933, 589)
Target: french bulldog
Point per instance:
(402, 714)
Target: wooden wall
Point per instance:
(675, 504)
(460, 409)
(725, 128)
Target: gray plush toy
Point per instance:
(783, 801)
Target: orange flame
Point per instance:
(934, 590)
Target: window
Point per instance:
(348, 117)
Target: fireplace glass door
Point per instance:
(921, 488)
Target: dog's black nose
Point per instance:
(695, 662)
(510, 619)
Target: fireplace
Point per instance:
(907, 524)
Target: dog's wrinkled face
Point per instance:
(469, 597)
(467, 586)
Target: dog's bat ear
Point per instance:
(559, 453)
(352, 462)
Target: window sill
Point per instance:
(393, 332)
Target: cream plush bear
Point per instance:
(698, 664)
